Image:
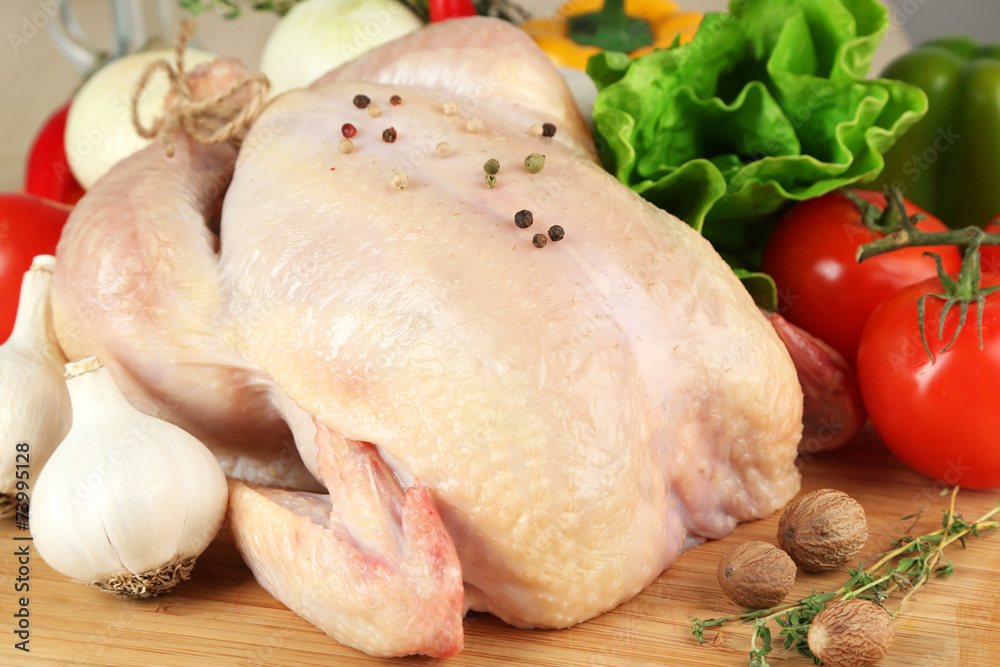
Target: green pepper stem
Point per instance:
(611, 28)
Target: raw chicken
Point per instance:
(137, 286)
(578, 413)
(551, 425)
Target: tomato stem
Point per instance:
(902, 232)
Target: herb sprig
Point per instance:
(232, 9)
(908, 565)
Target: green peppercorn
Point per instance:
(539, 240)
(556, 233)
(491, 166)
(534, 162)
(523, 219)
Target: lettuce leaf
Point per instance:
(767, 104)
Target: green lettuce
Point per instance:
(767, 104)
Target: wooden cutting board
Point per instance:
(222, 617)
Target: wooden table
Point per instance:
(222, 617)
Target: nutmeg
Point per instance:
(823, 530)
(756, 574)
(851, 633)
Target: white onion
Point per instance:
(99, 129)
(318, 35)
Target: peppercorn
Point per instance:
(491, 166)
(399, 180)
(548, 130)
(361, 101)
(348, 130)
(443, 149)
(523, 219)
(474, 124)
(556, 233)
(374, 111)
(389, 135)
(536, 130)
(534, 162)
(346, 146)
(539, 240)
(449, 108)
(395, 100)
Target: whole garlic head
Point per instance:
(128, 501)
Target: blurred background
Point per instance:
(36, 78)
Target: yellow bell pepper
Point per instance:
(665, 18)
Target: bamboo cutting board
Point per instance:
(223, 617)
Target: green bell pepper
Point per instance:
(949, 162)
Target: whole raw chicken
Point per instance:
(533, 432)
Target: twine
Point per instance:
(212, 120)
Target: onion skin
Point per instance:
(317, 36)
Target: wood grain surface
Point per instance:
(222, 617)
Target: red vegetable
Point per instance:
(821, 286)
(440, 10)
(990, 254)
(47, 173)
(940, 418)
(29, 226)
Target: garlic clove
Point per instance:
(128, 501)
(34, 402)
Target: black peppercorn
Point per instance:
(389, 135)
(539, 240)
(361, 101)
(556, 233)
(395, 100)
(548, 130)
(523, 219)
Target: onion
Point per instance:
(318, 35)
(99, 130)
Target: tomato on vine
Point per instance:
(991, 253)
(821, 286)
(939, 413)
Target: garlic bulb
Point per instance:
(128, 501)
(34, 403)
(99, 130)
(316, 36)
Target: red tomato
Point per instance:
(990, 254)
(942, 418)
(29, 226)
(47, 173)
(821, 287)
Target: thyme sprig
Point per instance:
(232, 9)
(909, 564)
